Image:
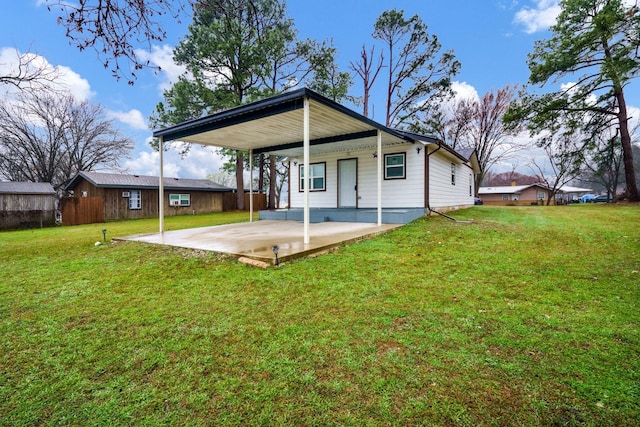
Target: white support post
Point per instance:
(306, 170)
(250, 184)
(161, 185)
(379, 177)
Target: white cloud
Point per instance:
(539, 18)
(133, 118)
(200, 162)
(464, 90)
(62, 78)
(162, 56)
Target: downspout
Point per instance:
(427, 189)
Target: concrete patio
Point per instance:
(255, 240)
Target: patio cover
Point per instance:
(294, 124)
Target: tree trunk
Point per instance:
(627, 152)
(240, 180)
(272, 182)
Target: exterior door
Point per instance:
(348, 183)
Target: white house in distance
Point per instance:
(359, 170)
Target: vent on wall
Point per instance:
(125, 194)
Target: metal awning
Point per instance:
(294, 124)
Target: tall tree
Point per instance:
(48, 138)
(230, 53)
(419, 75)
(367, 69)
(236, 51)
(595, 43)
(478, 124)
(115, 29)
(450, 122)
(486, 133)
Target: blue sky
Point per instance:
(491, 38)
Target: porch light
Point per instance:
(275, 252)
(418, 148)
(104, 234)
(375, 155)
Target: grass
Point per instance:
(527, 316)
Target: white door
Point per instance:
(347, 183)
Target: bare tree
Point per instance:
(48, 138)
(368, 72)
(419, 76)
(27, 73)
(115, 29)
(451, 122)
(486, 132)
(562, 163)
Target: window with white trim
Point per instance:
(540, 195)
(316, 177)
(135, 199)
(453, 174)
(505, 197)
(179, 199)
(394, 166)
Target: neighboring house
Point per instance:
(26, 205)
(99, 197)
(514, 195)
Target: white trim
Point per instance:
(306, 168)
(250, 185)
(161, 185)
(379, 151)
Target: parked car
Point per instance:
(477, 201)
(586, 198)
(601, 199)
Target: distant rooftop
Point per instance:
(114, 180)
(26, 188)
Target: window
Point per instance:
(540, 195)
(505, 197)
(394, 166)
(179, 199)
(453, 174)
(135, 199)
(316, 177)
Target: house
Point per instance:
(514, 195)
(26, 205)
(99, 197)
(419, 174)
(354, 163)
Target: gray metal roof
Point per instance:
(26, 188)
(113, 180)
(275, 126)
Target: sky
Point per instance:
(491, 38)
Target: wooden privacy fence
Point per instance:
(82, 210)
(230, 202)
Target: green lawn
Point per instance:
(527, 316)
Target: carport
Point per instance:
(298, 124)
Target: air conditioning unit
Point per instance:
(174, 202)
(125, 194)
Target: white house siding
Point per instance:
(408, 192)
(442, 194)
(396, 193)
